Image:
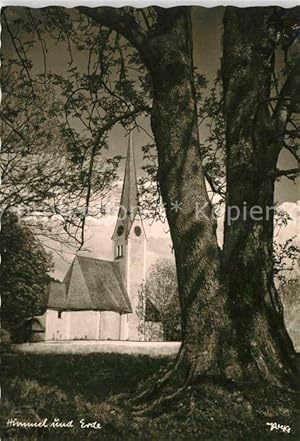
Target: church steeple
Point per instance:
(129, 245)
(129, 199)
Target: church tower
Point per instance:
(129, 245)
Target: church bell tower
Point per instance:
(129, 245)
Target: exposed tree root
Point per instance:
(166, 397)
(183, 377)
(160, 383)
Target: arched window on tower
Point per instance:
(120, 251)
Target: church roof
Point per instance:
(90, 284)
(38, 324)
(57, 295)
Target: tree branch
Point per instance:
(291, 173)
(289, 98)
(292, 149)
(18, 52)
(120, 21)
(96, 144)
(217, 189)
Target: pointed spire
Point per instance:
(129, 198)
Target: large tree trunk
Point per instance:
(193, 229)
(260, 339)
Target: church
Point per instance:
(98, 299)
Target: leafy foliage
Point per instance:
(24, 274)
(213, 147)
(285, 254)
(291, 293)
(55, 126)
(161, 292)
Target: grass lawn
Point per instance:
(89, 387)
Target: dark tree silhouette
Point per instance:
(24, 274)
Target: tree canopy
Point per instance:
(24, 273)
(159, 303)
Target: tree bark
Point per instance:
(260, 339)
(174, 123)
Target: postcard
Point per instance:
(149, 222)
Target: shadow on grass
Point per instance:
(88, 387)
(94, 376)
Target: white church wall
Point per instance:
(56, 325)
(110, 323)
(124, 327)
(84, 325)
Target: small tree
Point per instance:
(23, 272)
(159, 303)
(290, 296)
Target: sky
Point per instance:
(207, 31)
